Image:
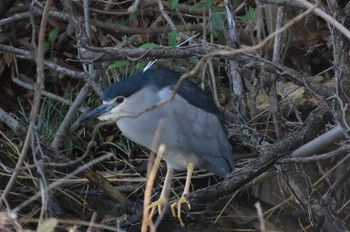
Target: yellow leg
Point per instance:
(183, 199)
(158, 205)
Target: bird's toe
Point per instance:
(157, 205)
(178, 205)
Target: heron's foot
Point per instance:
(157, 205)
(178, 204)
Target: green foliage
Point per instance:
(149, 45)
(47, 46)
(139, 66)
(50, 115)
(202, 4)
(52, 37)
(220, 9)
(173, 3)
(132, 18)
(118, 64)
(172, 38)
(220, 35)
(217, 21)
(250, 15)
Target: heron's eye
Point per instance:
(119, 100)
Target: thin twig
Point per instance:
(151, 175)
(326, 17)
(343, 150)
(44, 92)
(36, 102)
(11, 122)
(61, 181)
(69, 117)
(331, 170)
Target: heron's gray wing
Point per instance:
(200, 133)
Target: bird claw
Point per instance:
(157, 205)
(178, 204)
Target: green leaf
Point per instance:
(53, 35)
(220, 9)
(149, 45)
(133, 17)
(124, 23)
(118, 64)
(221, 37)
(173, 3)
(172, 39)
(46, 46)
(139, 66)
(217, 21)
(198, 6)
(250, 15)
(214, 33)
(202, 4)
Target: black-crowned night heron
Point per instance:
(192, 134)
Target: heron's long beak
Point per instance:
(102, 109)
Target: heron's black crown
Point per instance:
(161, 78)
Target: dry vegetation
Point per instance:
(280, 70)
